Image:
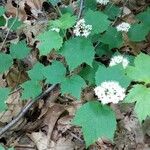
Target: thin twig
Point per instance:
(25, 110)
(81, 9)
(17, 13)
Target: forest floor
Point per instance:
(47, 124)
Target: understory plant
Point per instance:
(81, 40)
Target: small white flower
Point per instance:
(55, 29)
(110, 92)
(117, 60)
(81, 29)
(103, 2)
(123, 27)
(125, 63)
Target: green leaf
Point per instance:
(36, 73)
(73, 86)
(112, 11)
(103, 49)
(144, 17)
(64, 22)
(112, 37)
(19, 50)
(5, 62)
(98, 20)
(90, 4)
(15, 22)
(141, 95)
(134, 34)
(88, 73)
(114, 73)
(2, 148)
(2, 10)
(77, 51)
(4, 93)
(54, 73)
(2, 21)
(31, 89)
(49, 40)
(97, 121)
(141, 69)
(54, 2)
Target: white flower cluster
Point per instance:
(55, 29)
(103, 2)
(119, 59)
(110, 92)
(81, 29)
(123, 27)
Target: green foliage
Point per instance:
(141, 69)
(19, 50)
(88, 73)
(140, 94)
(54, 73)
(144, 17)
(14, 24)
(54, 2)
(103, 49)
(138, 32)
(98, 20)
(2, 10)
(114, 73)
(64, 22)
(79, 61)
(2, 21)
(88, 4)
(36, 73)
(49, 40)
(5, 62)
(112, 37)
(97, 121)
(77, 51)
(73, 85)
(4, 92)
(112, 11)
(31, 89)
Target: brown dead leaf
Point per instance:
(34, 5)
(40, 138)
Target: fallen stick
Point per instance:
(25, 110)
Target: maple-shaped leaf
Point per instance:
(2, 10)
(64, 22)
(5, 62)
(14, 23)
(141, 69)
(141, 95)
(114, 73)
(144, 17)
(19, 50)
(90, 4)
(4, 93)
(112, 11)
(54, 73)
(31, 89)
(88, 73)
(98, 20)
(97, 121)
(49, 40)
(36, 73)
(112, 37)
(77, 51)
(73, 86)
(134, 34)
